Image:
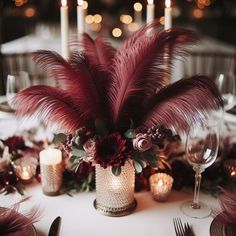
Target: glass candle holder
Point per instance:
(230, 168)
(115, 194)
(25, 168)
(51, 171)
(160, 186)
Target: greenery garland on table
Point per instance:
(84, 178)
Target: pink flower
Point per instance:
(142, 142)
(89, 148)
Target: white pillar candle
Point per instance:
(138, 13)
(50, 156)
(80, 17)
(64, 30)
(168, 15)
(51, 171)
(150, 11)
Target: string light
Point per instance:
(116, 32)
(126, 19)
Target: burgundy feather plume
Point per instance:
(51, 105)
(98, 51)
(182, 104)
(132, 85)
(117, 88)
(14, 223)
(77, 78)
(228, 207)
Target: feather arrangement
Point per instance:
(106, 91)
(14, 223)
(228, 207)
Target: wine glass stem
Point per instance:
(198, 178)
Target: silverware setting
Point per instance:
(55, 226)
(182, 229)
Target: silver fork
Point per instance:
(179, 228)
(188, 230)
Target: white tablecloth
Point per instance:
(80, 218)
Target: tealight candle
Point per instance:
(160, 186)
(51, 171)
(80, 17)
(64, 30)
(150, 11)
(168, 15)
(230, 168)
(25, 168)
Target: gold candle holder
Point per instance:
(25, 168)
(51, 171)
(230, 168)
(160, 186)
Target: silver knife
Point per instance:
(54, 228)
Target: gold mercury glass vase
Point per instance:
(115, 194)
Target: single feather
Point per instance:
(182, 104)
(98, 51)
(52, 106)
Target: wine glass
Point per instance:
(226, 85)
(201, 151)
(15, 83)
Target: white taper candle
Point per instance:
(150, 11)
(168, 15)
(64, 30)
(80, 17)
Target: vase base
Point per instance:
(115, 211)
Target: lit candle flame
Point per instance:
(150, 1)
(63, 3)
(168, 3)
(138, 6)
(85, 5)
(233, 173)
(160, 183)
(80, 2)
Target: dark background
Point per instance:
(219, 20)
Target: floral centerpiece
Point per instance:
(117, 103)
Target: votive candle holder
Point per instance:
(160, 186)
(230, 168)
(25, 168)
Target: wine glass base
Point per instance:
(203, 212)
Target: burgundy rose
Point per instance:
(142, 142)
(111, 150)
(15, 143)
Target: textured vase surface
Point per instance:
(115, 194)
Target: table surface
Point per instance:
(79, 217)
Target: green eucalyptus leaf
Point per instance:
(59, 138)
(130, 133)
(142, 163)
(78, 152)
(138, 167)
(116, 170)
